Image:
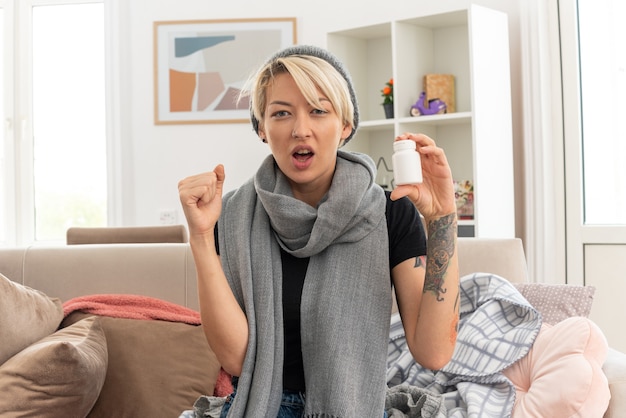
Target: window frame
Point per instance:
(578, 234)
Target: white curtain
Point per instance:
(543, 141)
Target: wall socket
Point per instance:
(168, 217)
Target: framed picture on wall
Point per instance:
(200, 66)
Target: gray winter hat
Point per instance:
(332, 60)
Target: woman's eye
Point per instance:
(319, 111)
(280, 113)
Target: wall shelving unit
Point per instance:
(470, 43)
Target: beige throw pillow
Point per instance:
(26, 315)
(58, 376)
(156, 368)
(557, 302)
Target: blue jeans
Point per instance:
(291, 406)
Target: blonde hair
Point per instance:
(310, 74)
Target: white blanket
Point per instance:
(498, 327)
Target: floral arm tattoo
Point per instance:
(441, 237)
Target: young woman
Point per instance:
(295, 284)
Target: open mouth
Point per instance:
(303, 155)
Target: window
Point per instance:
(593, 66)
(68, 118)
(602, 38)
(58, 144)
(3, 170)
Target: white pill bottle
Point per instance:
(407, 167)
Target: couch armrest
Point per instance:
(615, 370)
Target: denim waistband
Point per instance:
(289, 396)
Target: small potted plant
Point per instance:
(387, 93)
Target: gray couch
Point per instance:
(166, 271)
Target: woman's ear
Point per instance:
(262, 136)
(347, 130)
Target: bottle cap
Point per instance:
(403, 144)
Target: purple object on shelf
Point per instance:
(433, 107)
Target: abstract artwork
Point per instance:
(202, 65)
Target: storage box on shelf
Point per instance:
(469, 43)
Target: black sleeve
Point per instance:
(217, 241)
(407, 238)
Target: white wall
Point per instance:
(155, 158)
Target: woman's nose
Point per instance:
(301, 128)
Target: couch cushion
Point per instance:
(26, 316)
(156, 270)
(127, 234)
(474, 257)
(562, 374)
(615, 370)
(557, 302)
(58, 376)
(156, 368)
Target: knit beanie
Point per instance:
(332, 60)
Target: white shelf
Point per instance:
(444, 119)
(470, 43)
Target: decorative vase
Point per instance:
(388, 110)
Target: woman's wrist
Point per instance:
(440, 221)
(205, 240)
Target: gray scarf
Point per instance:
(346, 299)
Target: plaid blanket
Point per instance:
(497, 327)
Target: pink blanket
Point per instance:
(131, 307)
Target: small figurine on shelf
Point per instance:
(432, 107)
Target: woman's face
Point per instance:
(302, 138)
